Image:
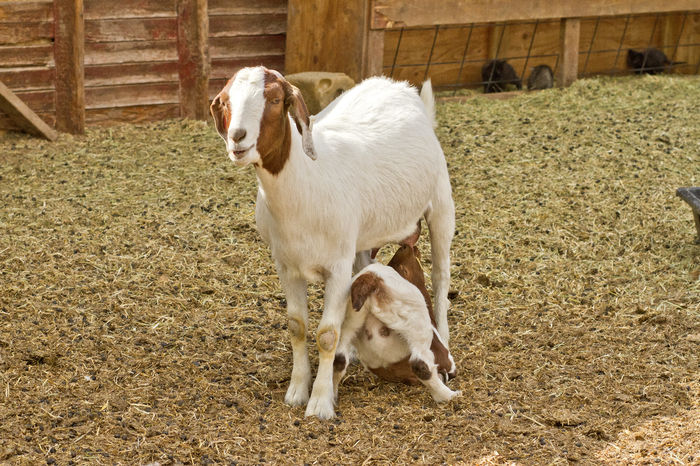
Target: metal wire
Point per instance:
(498, 49)
(590, 46)
(529, 57)
(619, 47)
(432, 48)
(464, 56)
(396, 54)
(680, 33)
(529, 49)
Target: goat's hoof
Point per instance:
(297, 394)
(446, 395)
(321, 408)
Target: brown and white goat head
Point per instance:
(252, 113)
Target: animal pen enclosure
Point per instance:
(76, 62)
(449, 41)
(134, 55)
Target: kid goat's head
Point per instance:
(251, 116)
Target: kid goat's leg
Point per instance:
(335, 302)
(294, 289)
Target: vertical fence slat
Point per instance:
(568, 44)
(193, 58)
(375, 53)
(69, 51)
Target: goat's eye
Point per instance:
(276, 101)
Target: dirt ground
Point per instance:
(142, 322)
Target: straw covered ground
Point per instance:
(141, 319)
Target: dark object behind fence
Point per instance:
(541, 77)
(497, 75)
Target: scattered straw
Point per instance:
(141, 320)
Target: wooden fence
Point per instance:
(449, 40)
(87, 62)
(105, 61)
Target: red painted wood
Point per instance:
(131, 29)
(247, 25)
(97, 53)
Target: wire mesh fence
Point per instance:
(454, 55)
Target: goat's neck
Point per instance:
(290, 187)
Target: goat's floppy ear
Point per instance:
(362, 288)
(297, 108)
(221, 113)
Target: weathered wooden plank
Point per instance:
(109, 9)
(247, 25)
(193, 53)
(98, 53)
(28, 78)
(69, 57)
(8, 124)
(223, 68)
(131, 114)
(18, 33)
(374, 53)
(569, 45)
(246, 7)
(341, 48)
(39, 101)
(130, 73)
(26, 55)
(23, 116)
(407, 13)
(131, 29)
(26, 11)
(131, 94)
(246, 46)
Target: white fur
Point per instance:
(380, 168)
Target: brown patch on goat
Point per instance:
(384, 331)
(275, 137)
(399, 372)
(421, 369)
(364, 286)
(274, 141)
(220, 109)
(339, 363)
(405, 262)
(442, 356)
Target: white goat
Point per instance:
(379, 169)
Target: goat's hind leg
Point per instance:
(441, 224)
(294, 288)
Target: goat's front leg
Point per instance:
(294, 288)
(335, 302)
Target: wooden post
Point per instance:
(23, 116)
(69, 46)
(193, 57)
(332, 35)
(569, 35)
(374, 55)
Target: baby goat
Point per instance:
(392, 327)
(365, 175)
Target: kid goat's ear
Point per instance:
(363, 287)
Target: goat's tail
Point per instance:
(426, 95)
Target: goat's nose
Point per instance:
(238, 135)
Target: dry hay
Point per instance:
(141, 319)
